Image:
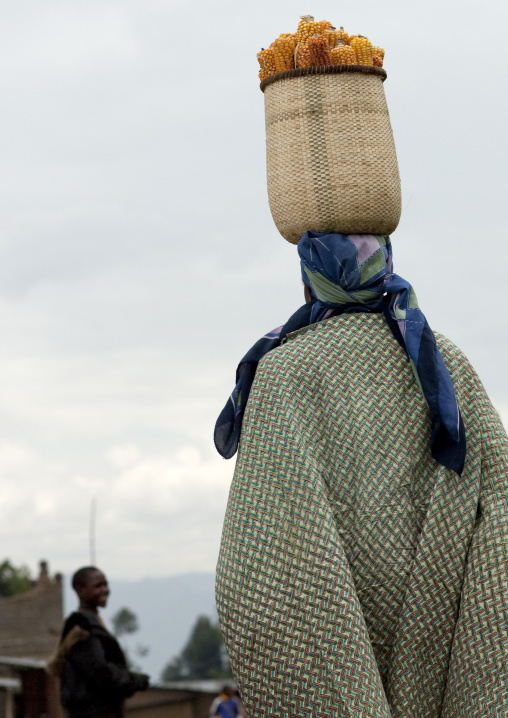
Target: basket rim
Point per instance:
(322, 70)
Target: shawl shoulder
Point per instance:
(454, 358)
(75, 619)
(76, 629)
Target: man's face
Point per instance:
(95, 592)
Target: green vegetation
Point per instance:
(14, 579)
(124, 623)
(202, 657)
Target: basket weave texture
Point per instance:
(331, 160)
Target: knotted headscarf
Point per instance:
(354, 273)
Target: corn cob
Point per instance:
(324, 26)
(302, 55)
(317, 44)
(363, 49)
(319, 50)
(307, 27)
(314, 53)
(266, 59)
(284, 52)
(343, 55)
(334, 35)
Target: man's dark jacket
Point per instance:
(94, 677)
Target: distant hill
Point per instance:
(166, 607)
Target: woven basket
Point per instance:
(330, 154)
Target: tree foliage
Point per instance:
(174, 671)
(202, 657)
(124, 621)
(14, 579)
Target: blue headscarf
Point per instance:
(353, 273)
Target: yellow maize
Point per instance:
(314, 53)
(335, 35)
(343, 55)
(317, 44)
(363, 49)
(324, 26)
(307, 27)
(266, 59)
(302, 56)
(284, 52)
(319, 50)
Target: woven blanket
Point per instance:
(357, 577)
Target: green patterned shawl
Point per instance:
(357, 577)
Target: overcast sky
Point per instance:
(139, 260)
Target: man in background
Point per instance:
(95, 680)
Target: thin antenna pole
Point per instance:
(93, 515)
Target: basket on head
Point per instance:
(330, 154)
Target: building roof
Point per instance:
(208, 686)
(10, 684)
(31, 622)
(22, 663)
